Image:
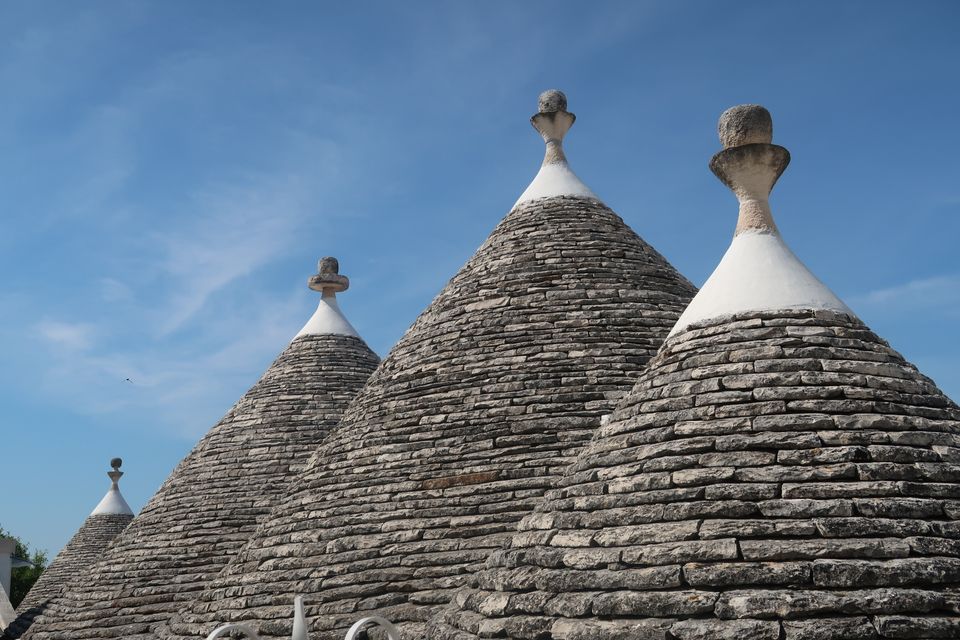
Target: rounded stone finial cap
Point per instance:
(328, 279)
(328, 264)
(552, 101)
(115, 463)
(745, 124)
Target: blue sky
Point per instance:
(171, 171)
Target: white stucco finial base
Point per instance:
(113, 502)
(758, 272)
(555, 180)
(328, 319)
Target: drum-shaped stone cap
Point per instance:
(745, 124)
(552, 101)
(329, 279)
(328, 264)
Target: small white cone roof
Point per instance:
(113, 502)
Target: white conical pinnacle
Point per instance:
(299, 620)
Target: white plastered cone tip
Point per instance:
(758, 272)
(555, 178)
(328, 319)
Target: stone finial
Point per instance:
(113, 503)
(115, 474)
(552, 100)
(328, 279)
(749, 163)
(328, 264)
(745, 124)
(552, 122)
(328, 319)
(555, 177)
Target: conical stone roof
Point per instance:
(777, 473)
(214, 499)
(471, 417)
(110, 517)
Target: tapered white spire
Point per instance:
(759, 272)
(328, 319)
(555, 177)
(113, 502)
(299, 620)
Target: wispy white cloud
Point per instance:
(938, 291)
(173, 317)
(181, 388)
(171, 354)
(113, 290)
(67, 335)
(238, 230)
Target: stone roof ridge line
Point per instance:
(555, 178)
(113, 502)
(328, 318)
(759, 272)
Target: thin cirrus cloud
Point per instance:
(175, 387)
(236, 232)
(942, 292)
(137, 329)
(66, 335)
(172, 361)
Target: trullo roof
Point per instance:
(471, 417)
(111, 516)
(777, 473)
(214, 499)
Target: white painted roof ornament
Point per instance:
(234, 630)
(759, 272)
(113, 503)
(373, 621)
(328, 319)
(299, 620)
(299, 631)
(555, 177)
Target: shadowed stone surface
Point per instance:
(84, 549)
(214, 499)
(472, 416)
(779, 475)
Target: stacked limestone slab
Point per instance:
(469, 420)
(213, 501)
(778, 473)
(110, 517)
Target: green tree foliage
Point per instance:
(22, 578)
